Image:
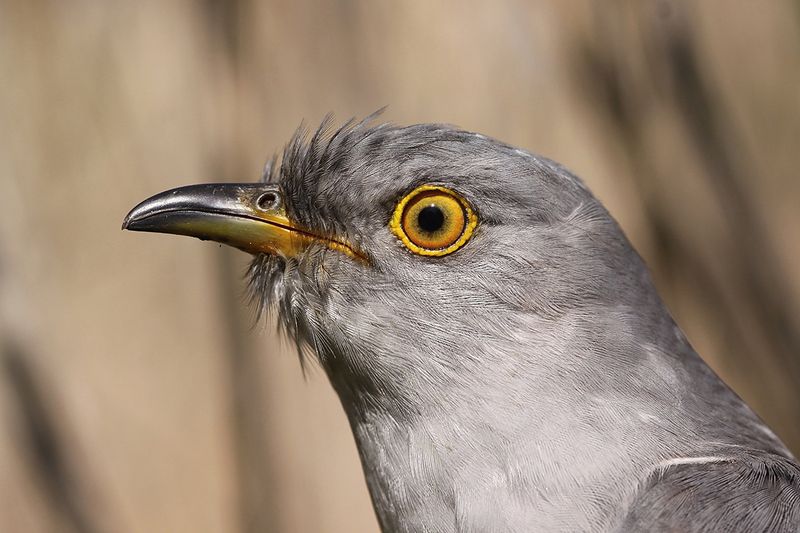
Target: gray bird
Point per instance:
(498, 346)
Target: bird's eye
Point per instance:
(433, 221)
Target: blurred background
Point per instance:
(137, 392)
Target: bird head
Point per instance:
(412, 261)
(493, 337)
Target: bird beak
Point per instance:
(247, 216)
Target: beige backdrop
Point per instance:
(136, 394)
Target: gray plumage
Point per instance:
(532, 380)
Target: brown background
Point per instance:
(135, 392)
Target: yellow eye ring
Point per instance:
(433, 221)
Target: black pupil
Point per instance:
(430, 218)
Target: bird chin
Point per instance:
(265, 280)
(276, 285)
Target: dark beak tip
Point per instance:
(128, 221)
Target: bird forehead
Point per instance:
(359, 159)
(347, 183)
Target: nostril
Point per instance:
(268, 200)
